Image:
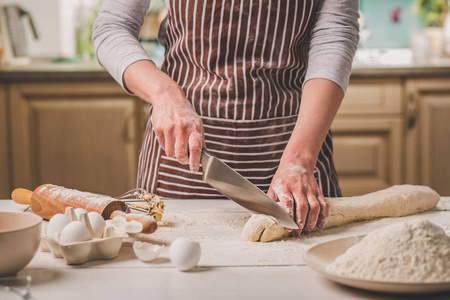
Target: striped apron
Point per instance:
(242, 65)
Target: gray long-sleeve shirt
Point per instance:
(334, 38)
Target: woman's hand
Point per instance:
(294, 185)
(298, 193)
(177, 126)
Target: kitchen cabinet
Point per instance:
(367, 134)
(72, 125)
(428, 134)
(367, 154)
(5, 184)
(84, 136)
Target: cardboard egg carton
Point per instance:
(106, 247)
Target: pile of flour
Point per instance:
(417, 251)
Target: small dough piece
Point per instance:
(262, 228)
(396, 201)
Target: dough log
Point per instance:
(396, 201)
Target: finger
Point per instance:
(195, 151)
(313, 214)
(181, 151)
(301, 212)
(272, 194)
(160, 138)
(161, 141)
(286, 200)
(181, 148)
(324, 211)
(159, 135)
(169, 141)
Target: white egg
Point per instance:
(185, 254)
(74, 232)
(97, 223)
(56, 225)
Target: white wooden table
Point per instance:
(228, 268)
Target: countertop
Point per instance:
(367, 64)
(228, 268)
(42, 69)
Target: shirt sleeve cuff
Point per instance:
(340, 79)
(123, 65)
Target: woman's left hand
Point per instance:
(295, 187)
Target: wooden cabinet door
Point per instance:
(428, 144)
(82, 136)
(5, 181)
(367, 154)
(367, 136)
(372, 98)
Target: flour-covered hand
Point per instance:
(298, 193)
(178, 128)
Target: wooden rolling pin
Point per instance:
(48, 200)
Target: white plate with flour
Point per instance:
(320, 256)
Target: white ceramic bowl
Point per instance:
(20, 234)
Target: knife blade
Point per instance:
(237, 188)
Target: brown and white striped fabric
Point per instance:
(241, 64)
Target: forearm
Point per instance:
(178, 128)
(334, 39)
(320, 102)
(149, 83)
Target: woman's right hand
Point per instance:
(177, 126)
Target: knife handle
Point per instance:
(204, 152)
(204, 159)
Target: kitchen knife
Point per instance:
(233, 185)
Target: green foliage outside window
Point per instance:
(433, 11)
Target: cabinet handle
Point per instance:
(411, 111)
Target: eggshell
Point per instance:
(185, 254)
(79, 211)
(74, 232)
(146, 251)
(118, 221)
(98, 223)
(120, 224)
(133, 227)
(56, 225)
